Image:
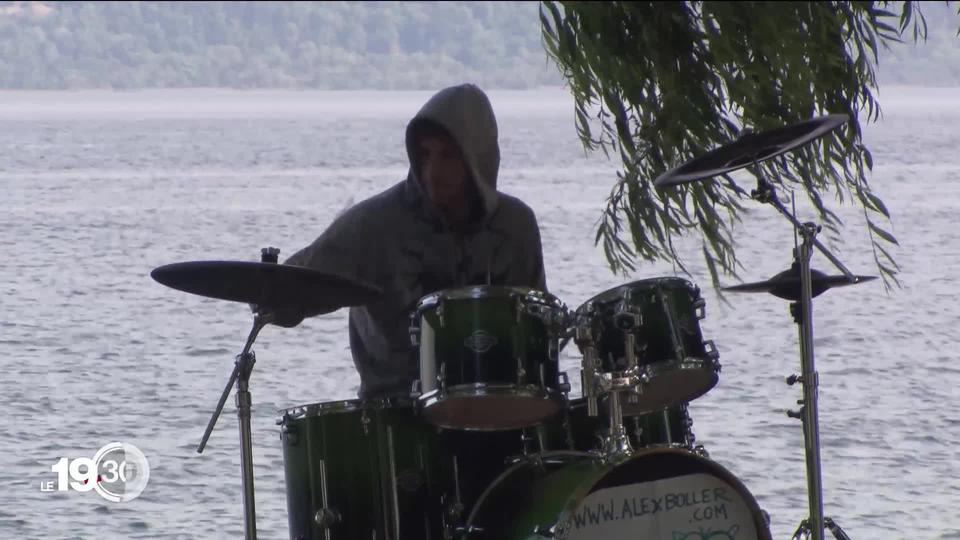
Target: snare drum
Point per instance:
(656, 494)
(662, 316)
(489, 357)
(361, 469)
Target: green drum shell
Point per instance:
(372, 465)
(544, 498)
(669, 345)
(489, 357)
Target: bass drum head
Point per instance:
(657, 494)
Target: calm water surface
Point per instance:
(100, 188)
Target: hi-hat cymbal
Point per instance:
(786, 284)
(269, 285)
(751, 148)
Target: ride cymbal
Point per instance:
(751, 148)
(267, 284)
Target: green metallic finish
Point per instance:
(668, 344)
(489, 351)
(371, 458)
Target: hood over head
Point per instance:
(464, 111)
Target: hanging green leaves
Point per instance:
(660, 83)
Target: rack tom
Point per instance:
(489, 357)
(657, 322)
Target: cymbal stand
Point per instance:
(808, 413)
(241, 375)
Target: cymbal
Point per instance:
(269, 285)
(750, 148)
(786, 284)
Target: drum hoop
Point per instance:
(691, 363)
(477, 292)
(616, 293)
(477, 390)
(342, 406)
(572, 455)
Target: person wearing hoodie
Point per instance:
(446, 225)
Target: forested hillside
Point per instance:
(328, 45)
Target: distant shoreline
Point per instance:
(228, 89)
(290, 104)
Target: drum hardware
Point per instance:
(414, 331)
(392, 464)
(288, 434)
(630, 344)
(616, 445)
(453, 509)
(700, 307)
(838, 533)
(795, 284)
(267, 286)
(584, 338)
(326, 518)
(802, 311)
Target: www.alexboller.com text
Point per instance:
(709, 504)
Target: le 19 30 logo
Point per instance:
(119, 472)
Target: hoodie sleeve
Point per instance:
(338, 250)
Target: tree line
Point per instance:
(326, 45)
(323, 45)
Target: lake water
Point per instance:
(100, 188)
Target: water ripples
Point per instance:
(95, 351)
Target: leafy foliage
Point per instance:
(661, 83)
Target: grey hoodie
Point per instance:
(397, 241)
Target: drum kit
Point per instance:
(489, 444)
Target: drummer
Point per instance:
(446, 225)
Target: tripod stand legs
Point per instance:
(804, 531)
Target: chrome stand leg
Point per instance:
(241, 375)
(616, 444)
(246, 445)
(803, 315)
(809, 378)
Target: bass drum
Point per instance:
(655, 494)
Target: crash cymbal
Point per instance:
(786, 284)
(268, 285)
(750, 148)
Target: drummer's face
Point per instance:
(443, 171)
